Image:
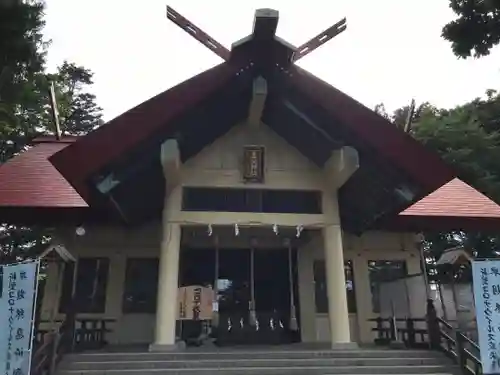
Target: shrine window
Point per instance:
(251, 200)
(89, 288)
(141, 286)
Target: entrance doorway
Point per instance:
(256, 293)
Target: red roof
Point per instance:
(30, 180)
(455, 199)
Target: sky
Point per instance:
(390, 53)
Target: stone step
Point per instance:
(310, 370)
(258, 361)
(250, 363)
(253, 354)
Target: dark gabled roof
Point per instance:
(395, 145)
(205, 107)
(125, 132)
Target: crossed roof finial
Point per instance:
(198, 33)
(265, 24)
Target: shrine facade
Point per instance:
(255, 183)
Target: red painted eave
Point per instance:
(30, 180)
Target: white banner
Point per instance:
(486, 284)
(17, 299)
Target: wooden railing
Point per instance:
(430, 332)
(459, 348)
(72, 335)
(411, 331)
(91, 333)
(50, 348)
(39, 337)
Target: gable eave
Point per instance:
(396, 146)
(107, 143)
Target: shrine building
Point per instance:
(285, 196)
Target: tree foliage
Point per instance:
(467, 137)
(32, 116)
(476, 30)
(22, 55)
(78, 111)
(21, 44)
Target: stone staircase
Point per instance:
(252, 361)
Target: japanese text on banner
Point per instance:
(486, 279)
(18, 284)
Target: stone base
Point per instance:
(345, 346)
(178, 346)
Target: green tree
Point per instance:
(32, 115)
(22, 55)
(22, 49)
(476, 30)
(462, 140)
(78, 111)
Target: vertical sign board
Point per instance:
(17, 304)
(194, 303)
(486, 284)
(253, 164)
